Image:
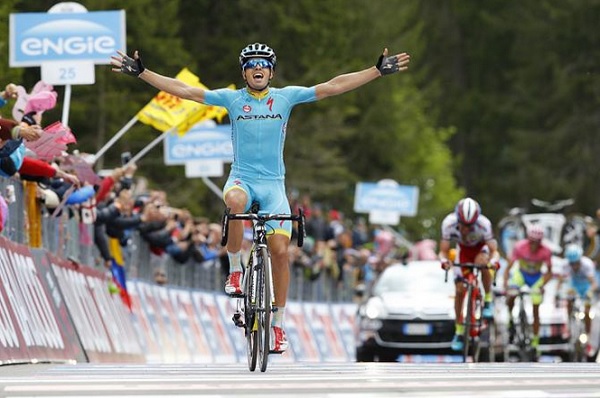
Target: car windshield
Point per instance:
(414, 277)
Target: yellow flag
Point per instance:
(201, 113)
(166, 111)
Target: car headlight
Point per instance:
(375, 309)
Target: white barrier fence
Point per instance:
(52, 310)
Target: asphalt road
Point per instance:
(531, 380)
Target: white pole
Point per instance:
(213, 187)
(114, 139)
(66, 105)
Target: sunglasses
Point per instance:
(253, 63)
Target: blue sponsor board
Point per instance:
(386, 196)
(41, 37)
(200, 143)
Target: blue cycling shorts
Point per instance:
(271, 197)
(534, 281)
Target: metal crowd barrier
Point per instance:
(67, 236)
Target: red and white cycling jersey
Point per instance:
(481, 231)
(472, 243)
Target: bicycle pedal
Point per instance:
(276, 352)
(236, 295)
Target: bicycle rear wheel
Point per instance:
(487, 351)
(475, 333)
(265, 287)
(250, 317)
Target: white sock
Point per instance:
(235, 262)
(278, 315)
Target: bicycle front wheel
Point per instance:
(250, 318)
(468, 323)
(265, 287)
(527, 353)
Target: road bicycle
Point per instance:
(478, 332)
(255, 304)
(521, 334)
(560, 227)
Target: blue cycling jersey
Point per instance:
(259, 127)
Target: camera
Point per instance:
(125, 158)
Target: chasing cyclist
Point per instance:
(581, 279)
(259, 116)
(530, 255)
(472, 233)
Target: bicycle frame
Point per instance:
(256, 304)
(472, 319)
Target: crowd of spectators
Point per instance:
(117, 206)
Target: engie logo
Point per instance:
(40, 37)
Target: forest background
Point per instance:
(501, 101)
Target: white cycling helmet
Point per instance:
(467, 211)
(535, 232)
(258, 50)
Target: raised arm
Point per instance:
(134, 67)
(349, 81)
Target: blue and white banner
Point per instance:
(41, 37)
(386, 196)
(200, 143)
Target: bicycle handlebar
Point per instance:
(262, 218)
(514, 292)
(474, 266)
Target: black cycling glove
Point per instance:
(132, 67)
(387, 65)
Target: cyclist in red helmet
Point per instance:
(472, 234)
(259, 117)
(530, 255)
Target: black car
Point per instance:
(409, 310)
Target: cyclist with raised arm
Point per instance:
(259, 116)
(473, 236)
(530, 255)
(580, 277)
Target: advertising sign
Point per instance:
(200, 143)
(386, 196)
(217, 335)
(40, 37)
(327, 337)
(192, 328)
(300, 335)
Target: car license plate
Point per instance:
(417, 329)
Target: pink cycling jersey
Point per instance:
(531, 262)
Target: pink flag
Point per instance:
(53, 141)
(82, 169)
